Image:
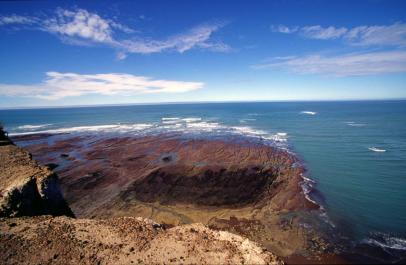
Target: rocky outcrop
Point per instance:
(170, 171)
(126, 240)
(26, 188)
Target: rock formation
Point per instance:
(26, 188)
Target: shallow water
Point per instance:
(355, 151)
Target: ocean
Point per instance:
(354, 151)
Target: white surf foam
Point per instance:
(307, 187)
(188, 125)
(246, 120)
(374, 149)
(169, 118)
(204, 126)
(170, 121)
(308, 112)
(191, 119)
(31, 127)
(95, 128)
(386, 241)
(354, 124)
(248, 130)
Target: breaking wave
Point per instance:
(184, 125)
(375, 149)
(355, 124)
(308, 112)
(386, 241)
(31, 127)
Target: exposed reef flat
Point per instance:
(30, 235)
(240, 186)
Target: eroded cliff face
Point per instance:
(26, 188)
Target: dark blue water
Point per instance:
(355, 151)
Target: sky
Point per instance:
(93, 52)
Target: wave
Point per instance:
(248, 130)
(246, 120)
(307, 186)
(204, 126)
(377, 149)
(308, 112)
(354, 124)
(30, 127)
(172, 121)
(386, 241)
(193, 126)
(95, 128)
(191, 119)
(169, 118)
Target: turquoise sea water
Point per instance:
(355, 151)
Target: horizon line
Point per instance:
(197, 102)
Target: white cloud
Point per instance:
(80, 24)
(61, 85)
(318, 32)
(312, 32)
(390, 35)
(283, 29)
(16, 19)
(196, 37)
(355, 64)
(80, 27)
(378, 35)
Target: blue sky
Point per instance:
(84, 53)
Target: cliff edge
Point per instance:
(26, 188)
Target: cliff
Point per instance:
(26, 188)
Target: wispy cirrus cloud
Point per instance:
(60, 85)
(284, 29)
(81, 27)
(384, 35)
(318, 32)
(16, 19)
(354, 64)
(196, 37)
(390, 57)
